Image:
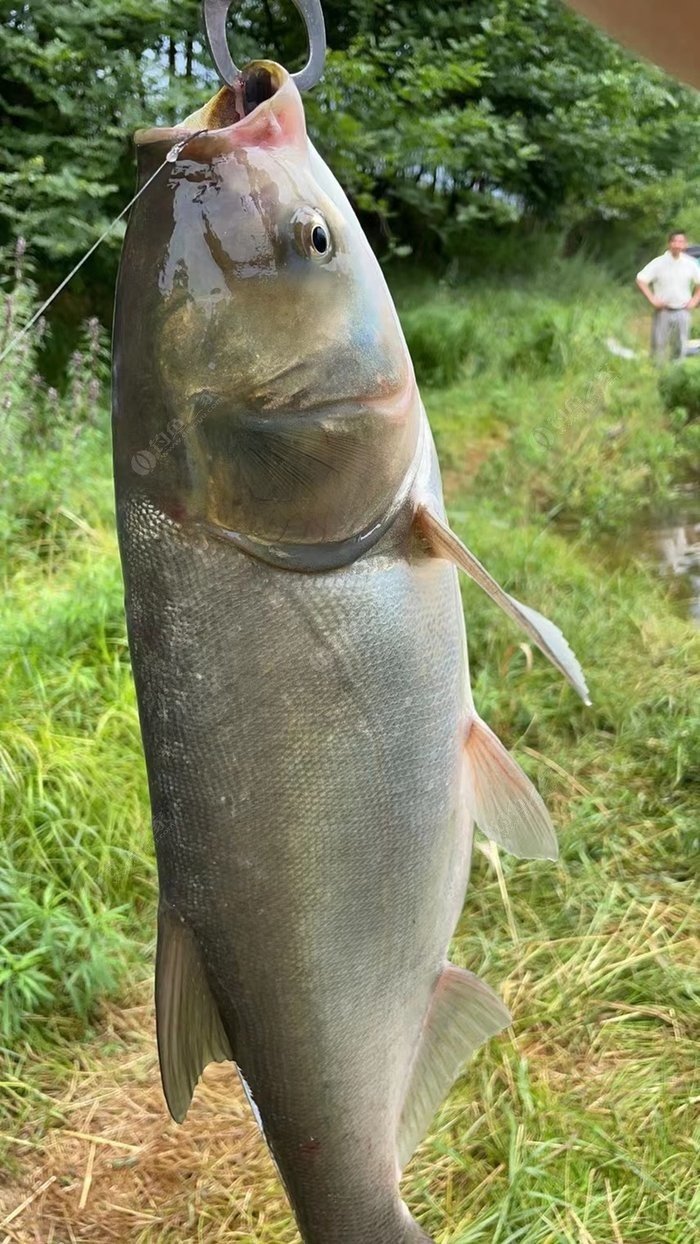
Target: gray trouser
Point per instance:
(673, 326)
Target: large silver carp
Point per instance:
(314, 756)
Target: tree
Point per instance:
(445, 119)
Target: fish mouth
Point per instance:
(257, 83)
(254, 109)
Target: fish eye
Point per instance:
(319, 239)
(312, 237)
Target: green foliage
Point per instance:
(679, 386)
(544, 342)
(58, 951)
(75, 871)
(440, 337)
(62, 71)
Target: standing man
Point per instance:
(675, 278)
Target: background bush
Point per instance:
(679, 386)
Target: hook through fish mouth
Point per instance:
(215, 14)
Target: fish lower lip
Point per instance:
(255, 413)
(277, 419)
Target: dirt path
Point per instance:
(118, 1169)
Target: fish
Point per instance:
(316, 763)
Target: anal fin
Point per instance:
(502, 799)
(464, 1012)
(189, 1027)
(443, 542)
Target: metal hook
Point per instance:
(215, 13)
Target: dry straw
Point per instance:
(118, 1169)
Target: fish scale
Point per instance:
(304, 843)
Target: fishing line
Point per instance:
(169, 159)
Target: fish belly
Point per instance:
(303, 743)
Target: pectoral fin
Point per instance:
(464, 1013)
(502, 800)
(549, 639)
(189, 1027)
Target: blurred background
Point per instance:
(513, 169)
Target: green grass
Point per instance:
(578, 1126)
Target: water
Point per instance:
(678, 546)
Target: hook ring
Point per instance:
(215, 14)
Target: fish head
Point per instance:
(258, 333)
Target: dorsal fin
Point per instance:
(444, 543)
(189, 1028)
(464, 1012)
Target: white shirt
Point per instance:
(673, 279)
